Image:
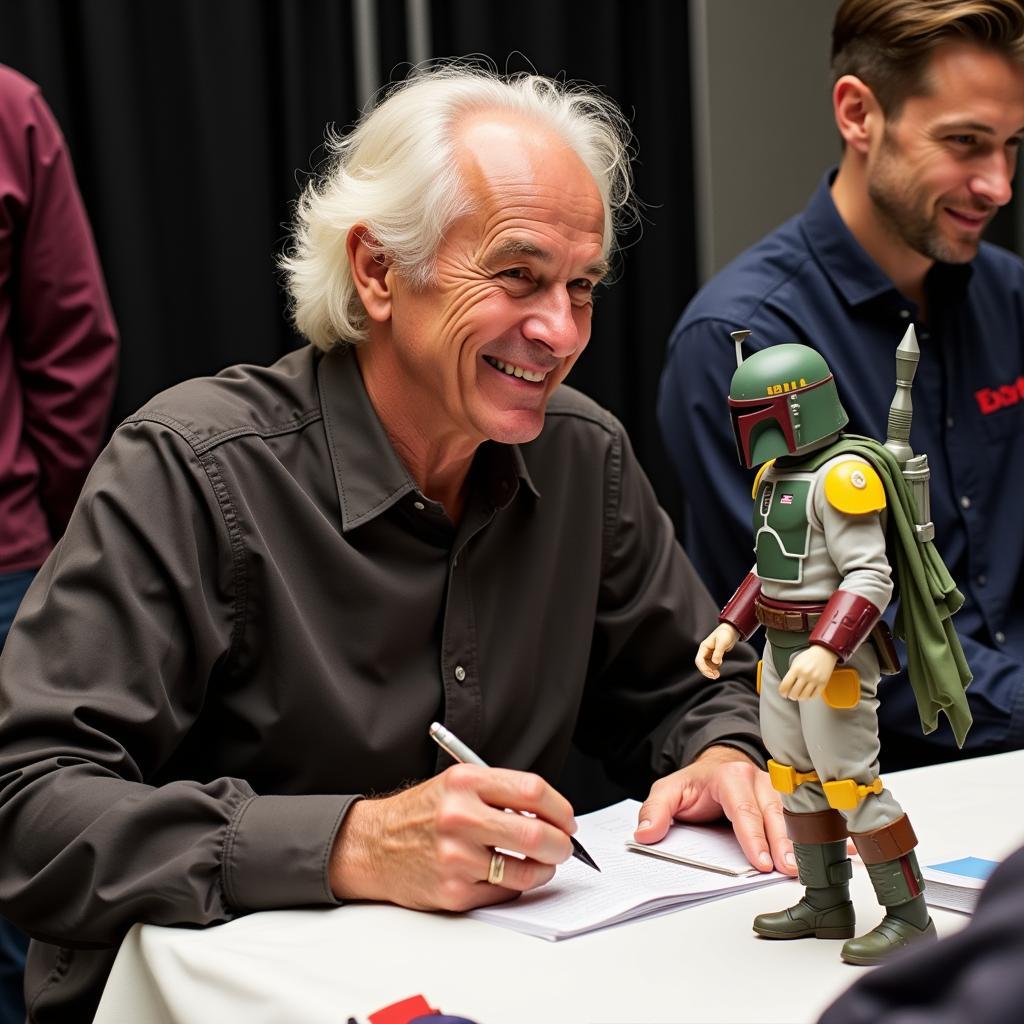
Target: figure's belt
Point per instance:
(788, 616)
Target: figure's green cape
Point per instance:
(929, 597)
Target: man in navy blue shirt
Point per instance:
(929, 101)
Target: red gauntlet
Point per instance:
(845, 623)
(739, 609)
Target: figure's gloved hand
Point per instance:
(714, 648)
(809, 673)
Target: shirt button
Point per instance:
(981, 579)
(965, 502)
(460, 673)
(1000, 637)
(949, 422)
(419, 506)
(905, 314)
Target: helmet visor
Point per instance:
(751, 415)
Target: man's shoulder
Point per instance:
(995, 262)
(740, 290)
(15, 87)
(239, 401)
(569, 409)
(22, 108)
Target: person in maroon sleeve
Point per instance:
(58, 350)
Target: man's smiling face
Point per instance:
(482, 347)
(944, 164)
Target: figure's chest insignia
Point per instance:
(785, 499)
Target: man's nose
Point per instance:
(994, 180)
(553, 323)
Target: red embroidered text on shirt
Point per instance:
(993, 399)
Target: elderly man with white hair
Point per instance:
(216, 697)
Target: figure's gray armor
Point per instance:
(806, 550)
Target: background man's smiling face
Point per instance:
(945, 163)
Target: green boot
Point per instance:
(825, 912)
(899, 886)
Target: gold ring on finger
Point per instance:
(496, 871)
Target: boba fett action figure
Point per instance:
(825, 505)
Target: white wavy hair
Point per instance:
(396, 172)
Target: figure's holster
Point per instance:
(882, 641)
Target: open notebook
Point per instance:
(629, 885)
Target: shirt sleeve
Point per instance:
(647, 709)
(973, 975)
(63, 331)
(693, 413)
(104, 675)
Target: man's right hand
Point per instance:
(714, 648)
(429, 847)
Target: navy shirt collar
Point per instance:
(851, 270)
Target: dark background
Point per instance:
(194, 123)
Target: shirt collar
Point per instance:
(858, 278)
(370, 476)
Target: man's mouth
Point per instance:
(973, 220)
(534, 376)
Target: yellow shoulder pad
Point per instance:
(757, 479)
(854, 487)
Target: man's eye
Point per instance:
(963, 140)
(515, 273)
(582, 285)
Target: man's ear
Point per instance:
(858, 114)
(370, 273)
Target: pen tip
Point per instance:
(582, 854)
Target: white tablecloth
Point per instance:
(701, 964)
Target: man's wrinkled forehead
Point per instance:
(513, 167)
(495, 149)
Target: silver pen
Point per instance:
(448, 741)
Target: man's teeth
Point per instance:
(515, 371)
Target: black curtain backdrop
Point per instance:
(193, 124)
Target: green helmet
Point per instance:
(783, 401)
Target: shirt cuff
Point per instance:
(739, 736)
(278, 851)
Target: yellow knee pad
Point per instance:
(845, 794)
(785, 778)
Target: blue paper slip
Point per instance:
(969, 867)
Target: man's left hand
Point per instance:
(722, 781)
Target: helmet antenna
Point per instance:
(739, 337)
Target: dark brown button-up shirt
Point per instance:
(255, 612)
